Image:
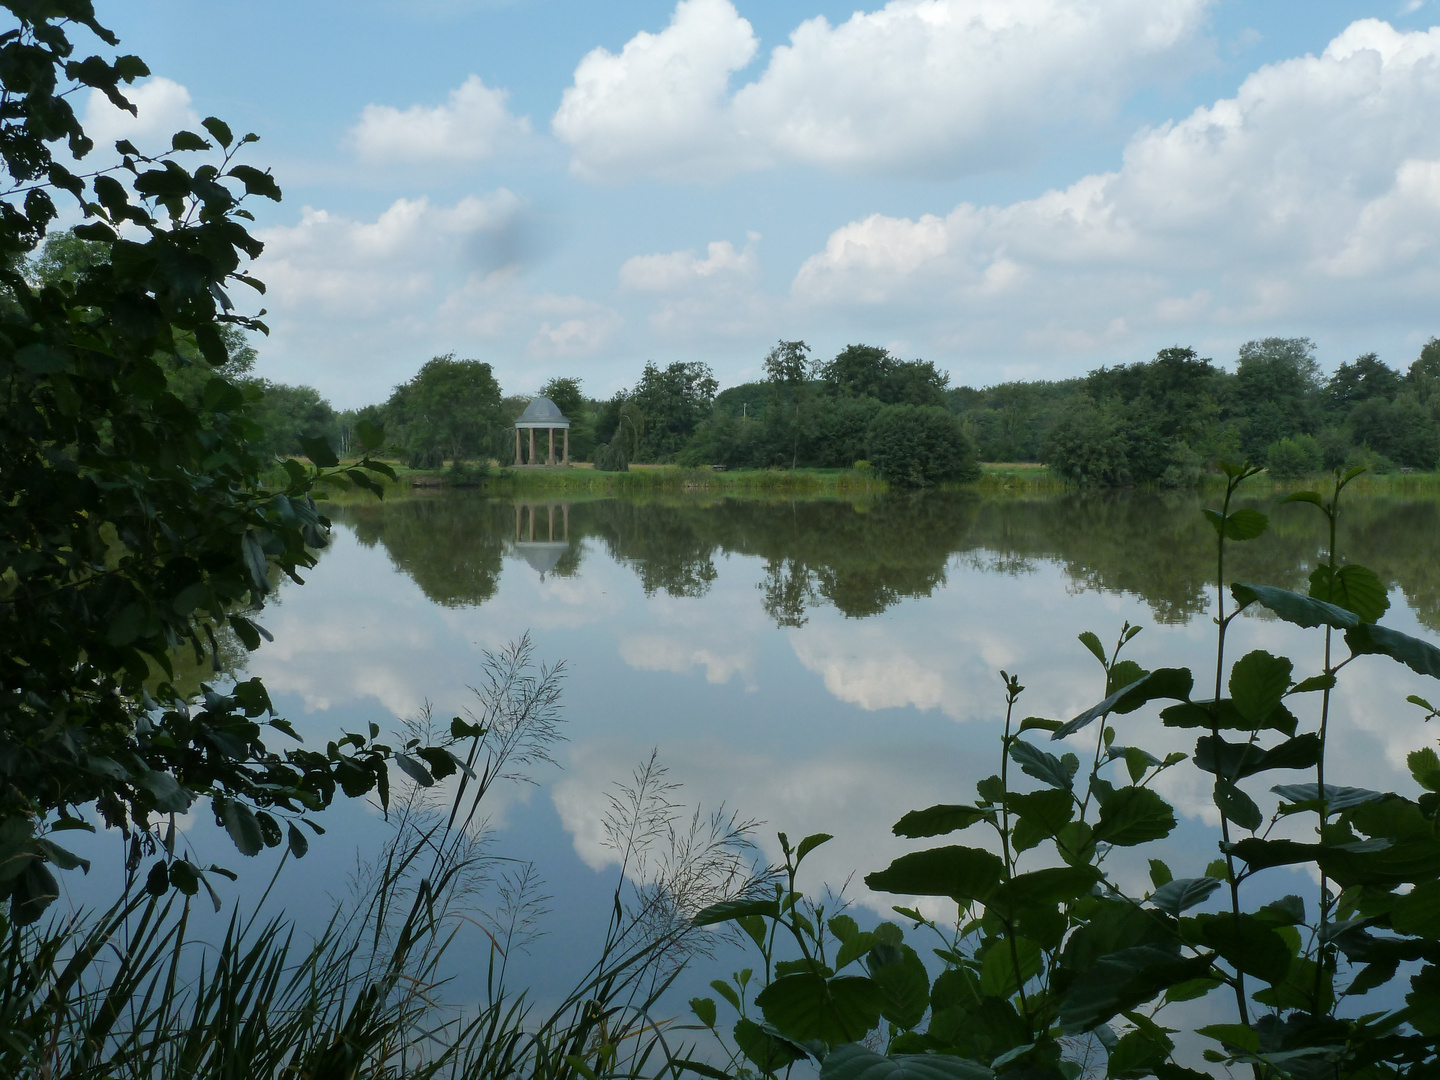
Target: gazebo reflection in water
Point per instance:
(544, 551)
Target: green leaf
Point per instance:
(1232, 1036)
(843, 927)
(1247, 944)
(1133, 815)
(857, 1063)
(1225, 716)
(1313, 683)
(904, 987)
(1307, 796)
(1123, 980)
(1425, 768)
(937, 820)
(854, 948)
(1043, 766)
(727, 992)
(1244, 524)
(1235, 761)
(766, 1047)
(319, 451)
(1183, 893)
(244, 830)
(1237, 806)
(1160, 874)
(809, 1006)
(735, 909)
(218, 129)
(187, 140)
(1092, 642)
(1041, 815)
(1294, 608)
(1418, 911)
(298, 844)
(1161, 683)
(1047, 887)
(1138, 763)
(704, 1010)
(414, 770)
(1419, 656)
(961, 873)
(998, 975)
(1354, 588)
(255, 181)
(1257, 683)
(170, 797)
(809, 844)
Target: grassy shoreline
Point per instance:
(1009, 479)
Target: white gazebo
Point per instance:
(542, 413)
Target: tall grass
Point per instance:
(129, 993)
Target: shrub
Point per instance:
(610, 457)
(1293, 457)
(916, 446)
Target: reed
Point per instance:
(130, 993)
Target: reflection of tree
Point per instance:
(864, 559)
(451, 547)
(662, 544)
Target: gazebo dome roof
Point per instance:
(542, 413)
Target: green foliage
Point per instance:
(1294, 457)
(1049, 946)
(451, 410)
(919, 446)
(133, 520)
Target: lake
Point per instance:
(815, 666)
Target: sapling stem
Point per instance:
(1012, 693)
(1232, 483)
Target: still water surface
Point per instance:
(818, 666)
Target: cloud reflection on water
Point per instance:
(866, 687)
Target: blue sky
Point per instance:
(1009, 188)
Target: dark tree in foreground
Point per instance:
(134, 522)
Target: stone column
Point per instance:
(532, 446)
(550, 456)
(567, 446)
(518, 461)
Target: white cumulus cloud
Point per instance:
(1311, 196)
(679, 269)
(660, 106)
(360, 303)
(944, 87)
(473, 125)
(162, 107)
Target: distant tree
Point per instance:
(915, 446)
(566, 395)
(1402, 430)
(788, 371)
(870, 371)
(1294, 457)
(1423, 377)
(289, 415)
(1365, 378)
(858, 371)
(1277, 391)
(1087, 445)
(450, 409)
(672, 402)
(570, 400)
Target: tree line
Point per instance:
(1160, 422)
(1164, 420)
